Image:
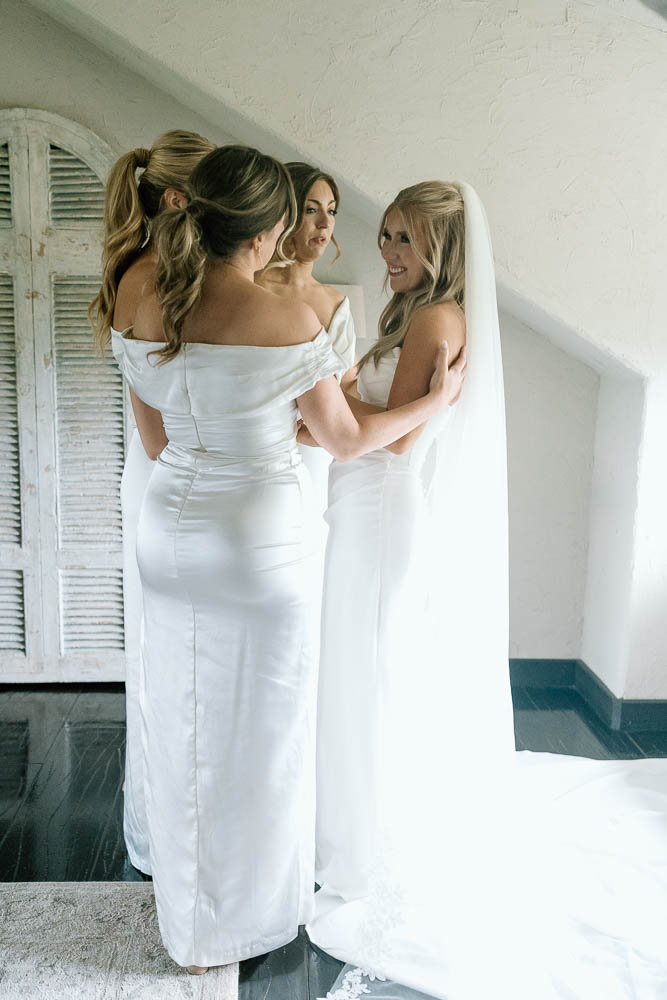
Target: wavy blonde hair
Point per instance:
(130, 207)
(234, 194)
(433, 214)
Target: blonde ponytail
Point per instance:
(131, 206)
(125, 233)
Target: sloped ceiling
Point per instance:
(553, 111)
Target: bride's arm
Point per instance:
(417, 360)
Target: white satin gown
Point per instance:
(225, 555)
(452, 866)
(137, 472)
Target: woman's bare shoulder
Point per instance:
(148, 320)
(337, 297)
(136, 283)
(297, 322)
(438, 322)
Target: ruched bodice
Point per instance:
(341, 333)
(235, 400)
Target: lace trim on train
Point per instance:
(351, 987)
(385, 912)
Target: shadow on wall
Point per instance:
(659, 6)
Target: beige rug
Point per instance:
(93, 941)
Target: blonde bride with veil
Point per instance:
(454, 867)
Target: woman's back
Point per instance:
(234, 311)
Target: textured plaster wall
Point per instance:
(550, 109)
(44, 65)
(551, 403)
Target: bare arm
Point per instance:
(359, 409)
(332, 423)
(134, 286)
(150, 426)
(418, 358)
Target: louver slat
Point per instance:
(12, 611)
(10, 480)
(89, 424)
(92, 610)
(76, 194)
(5, 189)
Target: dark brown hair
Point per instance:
(234, 194)
(303, 176)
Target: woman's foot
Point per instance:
(197, 970)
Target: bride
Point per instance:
(450, 864)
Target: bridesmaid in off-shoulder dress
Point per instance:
(128, 269)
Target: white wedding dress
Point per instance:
(137, 472)
(452, 866)
(225, 552)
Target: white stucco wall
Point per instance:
(44, 65)
(525, 100)
(551, 403)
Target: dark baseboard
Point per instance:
(622, 714)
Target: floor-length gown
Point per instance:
(224, 546)
(137, 472)
(480, 873)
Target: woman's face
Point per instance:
(405, 270)
(319, 218)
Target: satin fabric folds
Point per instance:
(225, 554)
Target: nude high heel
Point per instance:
(196, 970)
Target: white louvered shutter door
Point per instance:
(20, 578)
(80, 412)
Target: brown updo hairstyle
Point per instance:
(234, 194)
(303, 176)
(130, 207)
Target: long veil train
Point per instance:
(495, 874)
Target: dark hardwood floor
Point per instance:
(61, 769)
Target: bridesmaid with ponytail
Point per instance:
(128, 269)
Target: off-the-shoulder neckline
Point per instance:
(157, 344)
(194, 343)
